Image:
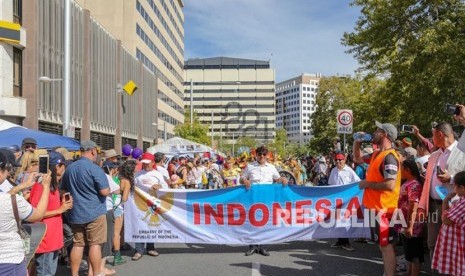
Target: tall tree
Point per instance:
(197, 133)
(279, 144)
(417, 47)
(363, 97)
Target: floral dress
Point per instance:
(410, 191)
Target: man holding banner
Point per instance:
(148, 179)
(382, 186)
(260, 172)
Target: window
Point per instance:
(17, 8)
(17, 72)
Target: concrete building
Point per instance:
(236, 97)
(295, 102)
(153, 31)
(12, 42)
(99, 62)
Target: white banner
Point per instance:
(264, 214)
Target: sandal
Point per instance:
(136, 256)
(109, 272)
(152, 253)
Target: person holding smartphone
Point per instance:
(443, 164)
(46, 258)
(12, 255)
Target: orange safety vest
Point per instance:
(376, 199)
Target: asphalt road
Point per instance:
(289, 259)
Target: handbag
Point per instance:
(25, 237)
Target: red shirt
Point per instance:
(53, 239)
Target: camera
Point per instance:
(452, 109)
(407, 128)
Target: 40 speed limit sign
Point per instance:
(345, 120)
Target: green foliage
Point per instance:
(417, 47)
(369, 100)
(198, 133)
(246, 141)
(279, 144)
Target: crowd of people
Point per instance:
(80, 199)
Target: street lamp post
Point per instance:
(67, 69)
(164, 130)
(192, 104)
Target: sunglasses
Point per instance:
(29, 146)
(262, 153)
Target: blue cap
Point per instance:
(110, 164)
(56, 158)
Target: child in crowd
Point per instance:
(449, 254)
(410, 193)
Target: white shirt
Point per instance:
(461, 143)
(441, 162)
(261, 174)
(113, 187)
(163, 172)
(11, 245)
(146, 179)
(6, 186)
(214, 166)
(422, 160)
(342, 177)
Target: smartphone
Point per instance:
(452, 109)
(43, 163)
(407, 128)
(67, 196)
(439, 170)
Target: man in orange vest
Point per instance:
(381, 190)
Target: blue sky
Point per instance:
(300, 36)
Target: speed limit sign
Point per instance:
(345, 120)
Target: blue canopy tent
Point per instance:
(11, 134)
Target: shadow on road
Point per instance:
(269, 270)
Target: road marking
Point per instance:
(353, 258)
(256, 269)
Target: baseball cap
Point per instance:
(29, 140)
(88, 145)
(55, 158)
(339, 156)
(147, 158)
(390, 130)
(407, 141)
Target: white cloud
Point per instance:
(299, 35)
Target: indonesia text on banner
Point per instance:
(264, 214)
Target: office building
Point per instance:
(236, 97)
(100, 65)
(295, 102)
(153, 31)
(12, 43)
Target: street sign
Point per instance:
(345, 120)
